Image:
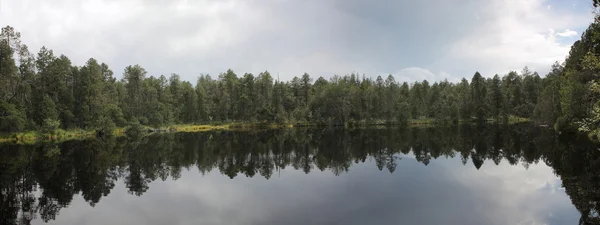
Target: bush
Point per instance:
(156, 119)
(524, 110)
(11, 119)
(143, 120)
(50, 125)
(116, 115)
(105, 125)
(562, 123)
(403, 112)
(134, 128)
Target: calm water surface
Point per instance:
(460, 175)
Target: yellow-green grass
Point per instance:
(230, 126)
(514, 119)
(511, 120)
(59, 135)
(194, 128)
(421, 121)
(31, 137)
(119, 131)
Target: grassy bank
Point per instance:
(511, 120)
(60, 135)
(31, 137)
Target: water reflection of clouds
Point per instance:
(531, 195)
(444, 192)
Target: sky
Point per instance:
(412, 40)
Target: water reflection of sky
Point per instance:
(444, 192)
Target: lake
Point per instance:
(514, 174)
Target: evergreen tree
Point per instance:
(464, 97)
(496, 100)
(133, 78)
(478, 93)
(91, 101)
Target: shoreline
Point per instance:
(60, 135)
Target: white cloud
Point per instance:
(291, 37)
(413, 74)
(567, 33)
(515, 34)
(531, 193)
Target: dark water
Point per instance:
(462, 175)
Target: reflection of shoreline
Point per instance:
(91, 167)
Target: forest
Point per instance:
(46, 92)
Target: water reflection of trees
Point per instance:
(38, 181)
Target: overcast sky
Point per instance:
(413, 40)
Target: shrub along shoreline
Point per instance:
(60, 135)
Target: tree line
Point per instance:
(37, 181)
(46, 91)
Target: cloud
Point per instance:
(288, 37)
(413, 74)
(512, 35)
(567, 33)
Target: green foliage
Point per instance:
(478, 93)
(134, 128)
(133, 78)
(105, 124)
(495, 97)
(143, 120)
(548, 108)
(590, 124)
(50, 126)
(90, 98)
(464, 98)
(45, 109)
(116, 115)
(402, 111)
(11, 119)
(8, 71)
